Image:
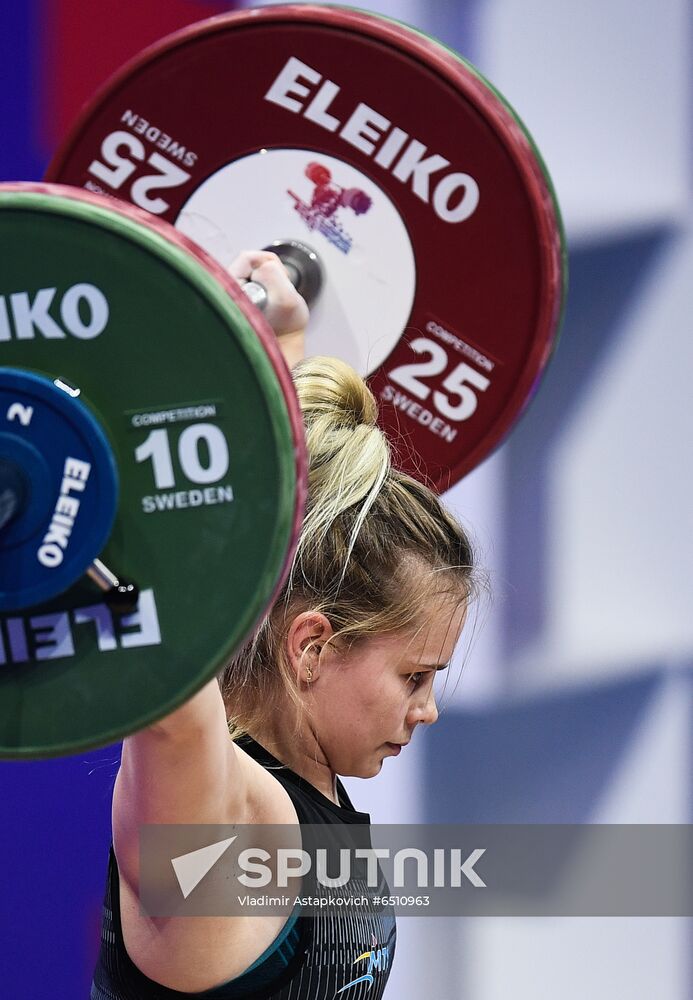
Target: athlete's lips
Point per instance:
(396, 747)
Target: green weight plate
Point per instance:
(187, 382)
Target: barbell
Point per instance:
(152, 464)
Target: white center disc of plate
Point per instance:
(366, 254)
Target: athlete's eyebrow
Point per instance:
(438, 666)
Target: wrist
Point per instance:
(292, 346)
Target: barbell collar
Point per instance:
(12, 492)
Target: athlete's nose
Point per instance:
(430, 710)
(424, 710)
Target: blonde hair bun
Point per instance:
(349, 455)
(330, 386)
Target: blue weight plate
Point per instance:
(54, 446)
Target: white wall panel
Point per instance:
(574, 958)
(622, 479)
(603, 86)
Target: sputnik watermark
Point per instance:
(290, 864)
(558, 870)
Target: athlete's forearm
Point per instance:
(204, 709)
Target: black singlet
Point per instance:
(342, 957)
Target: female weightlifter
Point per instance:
(337, 677)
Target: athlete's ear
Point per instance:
(307, 635)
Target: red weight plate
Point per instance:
(388, 155)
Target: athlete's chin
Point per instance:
(367, 769)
